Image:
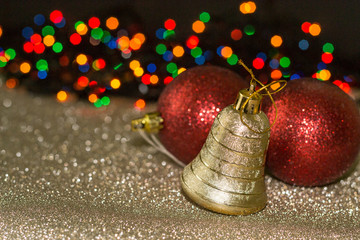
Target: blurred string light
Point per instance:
(247, 7)
(11, 82)
(43, 38)
(140, 104)
(249, 30)
(313, 28)
(62, 96)
(276, 41)
(342, 85)
(236, 34)
(25, 67)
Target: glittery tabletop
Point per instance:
(73, 171)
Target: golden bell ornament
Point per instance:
(227, 176)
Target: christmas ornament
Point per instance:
(227, 176)
(188, 107)
(317, 135)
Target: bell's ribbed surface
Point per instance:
(227, 176)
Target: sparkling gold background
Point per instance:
(74, 171)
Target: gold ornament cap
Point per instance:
(253, 104)
(151, 123)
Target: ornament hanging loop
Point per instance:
(255, 94)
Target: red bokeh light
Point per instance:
(75, 39)
(39, 49)
(28, 47)
(145, 79)
(168, 79)
(94, 22)
(305, 27)
(327, 58)
(192, 42)
(170, 24)
(56, 16)
(258, 63)
(83, 81)
(36, 39)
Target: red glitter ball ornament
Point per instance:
(189, 105)
(316, 137)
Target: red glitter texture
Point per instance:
(317, 134)
(189, 105)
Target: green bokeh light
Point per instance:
(233, 59)
(98, 103)
(171, 67)
(168, 34)
(196, 52)
(204, 17)
(11, 53)
(249, 30)
(328, 48)
(97, 33)
(57, 47)
(42, 65)
(285, 62)
(48, 30)
(161, 49)
(105, 100)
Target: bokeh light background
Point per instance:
(97, 50)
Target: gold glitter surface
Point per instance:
(71, 171)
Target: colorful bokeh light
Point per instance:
(276, 41)
(236, 34)
(62, 96)
(315, 29)
(198, 26)
(112, 23)
(115, 83)
(140, 104)
(204, 17)
(170, 24)
(247, 7)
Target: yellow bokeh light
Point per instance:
(181, 70)
(275, 86)
(3, 58)
(81, 29)
(226, 52)
(138, 72)
(315, 29)
(276, 41)
(134, 64)
(247, 7)
(62, 96)
(112, 23)
(92, 98)
(135, 44)
(25, 67)
(49, 40)
(140, 36)
(1, 31)
(123, 43)
(198, 26)
(324, 75)
(154, 79)
(115, 83)
(178, 51)
(81, 59)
